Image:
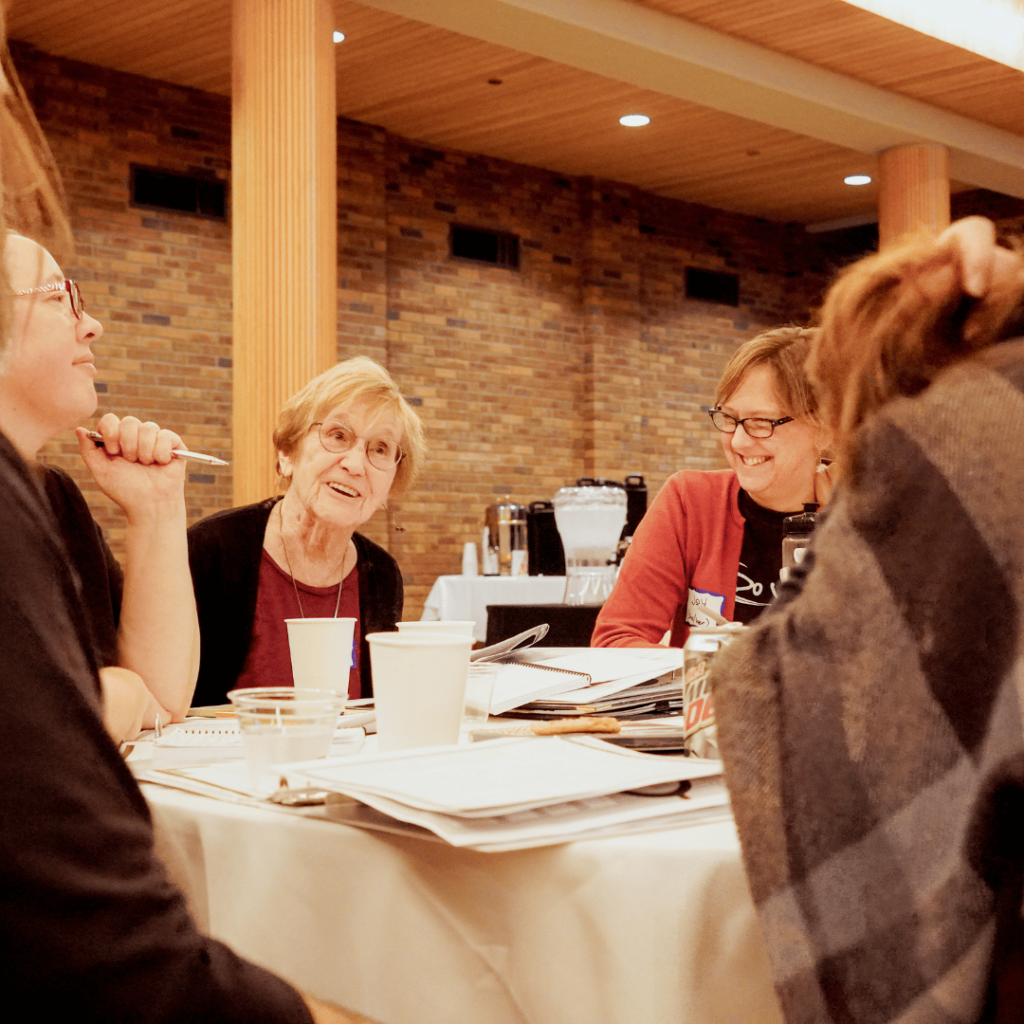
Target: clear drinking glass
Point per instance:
(284, 724)
(479, 691)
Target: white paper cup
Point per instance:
(453, 627)
(321, 652)
(479, 692)
(284, 724)
(419, 687)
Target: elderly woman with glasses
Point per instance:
(712, 541)
(345, 443)
(142, 617)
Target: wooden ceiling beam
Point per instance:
(647, 48)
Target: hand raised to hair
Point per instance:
(973, 241)
(981, 264)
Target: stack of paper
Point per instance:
(590, 680)
(520, 792)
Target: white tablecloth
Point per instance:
(646, 929)
(467, 597)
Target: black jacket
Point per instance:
(224, 553)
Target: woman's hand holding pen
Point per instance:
(178, 453)
(135, 466)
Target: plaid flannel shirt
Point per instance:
(871, 726)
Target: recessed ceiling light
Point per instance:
(857, 179)
(339, 37)
(635, 120)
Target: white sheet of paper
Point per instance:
(500, 776)
(601, 815)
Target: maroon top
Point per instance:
(268, 662)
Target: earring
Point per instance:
(394, 525)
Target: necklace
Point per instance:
(291, 574)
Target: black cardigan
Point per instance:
(224, 553)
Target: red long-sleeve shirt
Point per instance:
(685, 553)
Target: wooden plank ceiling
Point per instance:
(455, 90)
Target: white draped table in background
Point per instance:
(467, 597)
(646, 929)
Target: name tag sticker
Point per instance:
(697, 601)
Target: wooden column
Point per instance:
(284, 214)
(913, 192)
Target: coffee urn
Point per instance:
(505, 539)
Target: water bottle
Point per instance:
(796, 536)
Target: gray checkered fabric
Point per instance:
(871, 726)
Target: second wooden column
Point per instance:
(913, 194)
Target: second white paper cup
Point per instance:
(419, 687)
(321, 652)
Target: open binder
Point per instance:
(519, 682)
(557, 682)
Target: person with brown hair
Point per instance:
(870, 721)
(142, 617)
(713, 540)
(893, 322)
(90, 925)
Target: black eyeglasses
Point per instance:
(755, 426)
(336, 437)
(71, 287)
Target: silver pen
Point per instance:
(179, 453)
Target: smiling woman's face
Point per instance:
(47, 373)
(342, 489)
(777, 471)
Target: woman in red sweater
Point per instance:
(714, 539)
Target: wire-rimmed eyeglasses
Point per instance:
(71, 287)
(755, 426)
(335, 436)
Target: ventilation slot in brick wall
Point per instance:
(154, 189)
(482, 246)
(713, 286)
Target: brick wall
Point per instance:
(160, 283)
(587, 360)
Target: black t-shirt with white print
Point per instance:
(760, 558)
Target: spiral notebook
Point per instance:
(520, 682)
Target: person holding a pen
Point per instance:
(142, 615)
(91, 925)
